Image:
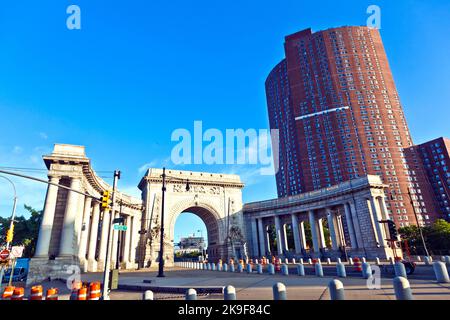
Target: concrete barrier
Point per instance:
(232, 267)
(284, 270)
(224, 267)
(402, 289)
(213, 266)
(427, 260)
(400, 270)
(363, 259)
(338, 260)
(229, 293)
(440, 270)
(336, 289)
(340, 269)
(447, 260)
(191, 294)
(259, 269)
(309, 261)
(318, 270)
(148, 295)
(271, 268)
(279, 291)
(240, 268)
(328, 261)
(366, 270)
(286, 261)
(293, 261)
(419, 258)
(392, 260)
(377, 261)
(350, 261)
(249, 268)
(301, 270)
(300, 261)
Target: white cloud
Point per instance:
(157, 163)
(43, 135)
(17, 149)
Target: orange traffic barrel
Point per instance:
(18, 293)
(76, 285)
(82, 293)
(36, 293)
(277, 265)
(7, 293)
(52, 294)
(357, 264)
(94, 291)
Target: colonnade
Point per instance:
(83, 233)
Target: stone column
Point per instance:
(126, 245)
(350, 222)
(375, 220)
(284, 237)
(85, 233)
(267, 236)
(278, 231)
(302, 235)
(358, 233)
(79, 220)
(136, 223)
(45, 230)
(92, 263)
(104, 238)
(68, 237)
(295, 231)
(314, 233)
(322, 242)
(333, 230)
(254, 238)
(262, 238)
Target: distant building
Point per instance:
(435, 157)
(192, 243)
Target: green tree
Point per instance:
(437, 237)
(26, 231)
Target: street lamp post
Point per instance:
(418, 224)
(13, 216)
(161, 244)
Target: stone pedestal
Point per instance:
(42, 269)
(92, 266)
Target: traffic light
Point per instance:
(393, 233)
(10, 234)
(106, 199)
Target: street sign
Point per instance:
(4, 254)
(119, 220)
(120, 227)
(17, 251)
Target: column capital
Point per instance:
(54, 178)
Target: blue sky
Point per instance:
(137, 70)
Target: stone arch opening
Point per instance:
(211, 220)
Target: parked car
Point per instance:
(20, 271)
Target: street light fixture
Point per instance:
(161, 245)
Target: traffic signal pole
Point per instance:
(105, 295)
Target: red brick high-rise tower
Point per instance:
(334, 100)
